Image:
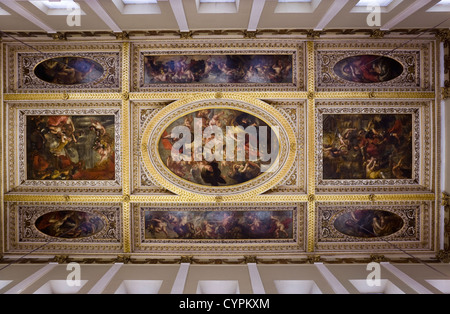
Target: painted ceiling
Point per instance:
(305, 146)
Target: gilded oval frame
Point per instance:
(75, 85)
(196, 192)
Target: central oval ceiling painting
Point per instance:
(216, 147)
(368, 69)
(70, 224)
(69, 70)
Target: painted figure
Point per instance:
(191, 163)
(218, 225)
(368, 223)
(69, 224)
(69, 70)
(218, 69)
(61, 147)
(368, 69)
(367, 146)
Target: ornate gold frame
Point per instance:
(17, 112)
(130, 196)
(218, 47)
(247, 246)
(287, 154)
(14, 53)
(419, 237)
(418, 68)
(23, 236)
(420, 112)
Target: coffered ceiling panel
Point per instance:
(164, 20)
(211, 21)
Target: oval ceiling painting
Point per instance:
(218, 147)
(368, 69)
(70, 224)
(368, 223)
(69, 70)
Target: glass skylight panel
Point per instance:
(297, 6)
(441, 6)
(62, 7)
(365, 6)
(4, 12)
(217, 6)
(381, 3)
(63, 4)
(139, 1)
(137, 6)
(217, 1)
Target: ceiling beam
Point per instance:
(333, 10)
(180, 15)
(27, 15)
(103, 15)
(255, 15)
(413, 8)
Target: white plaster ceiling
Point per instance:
(250, 15)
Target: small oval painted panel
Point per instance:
(69, 70)
(368, 223)
(368, 69)
(218, 147)
(70, 224)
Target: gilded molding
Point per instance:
(311, 145)
(415, 57)
(16, 135)
(218, 47)
(229, 100)
(446, 225)
(421, 141)
(413, 234)
(23, 60)
(445, 92)
(189, 246)
(63, 198)
(375, 95)
(63, 96)
(378, 34)
(126, 147)
(22, 233)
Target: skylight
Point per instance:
(3, 12)
(441, 6)
(217, 1)
(61, 7)
(296, 6)
(217, 6)
(137, 6)
(139, 1)
(381, 3)
(63, 4)
(365, 6)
